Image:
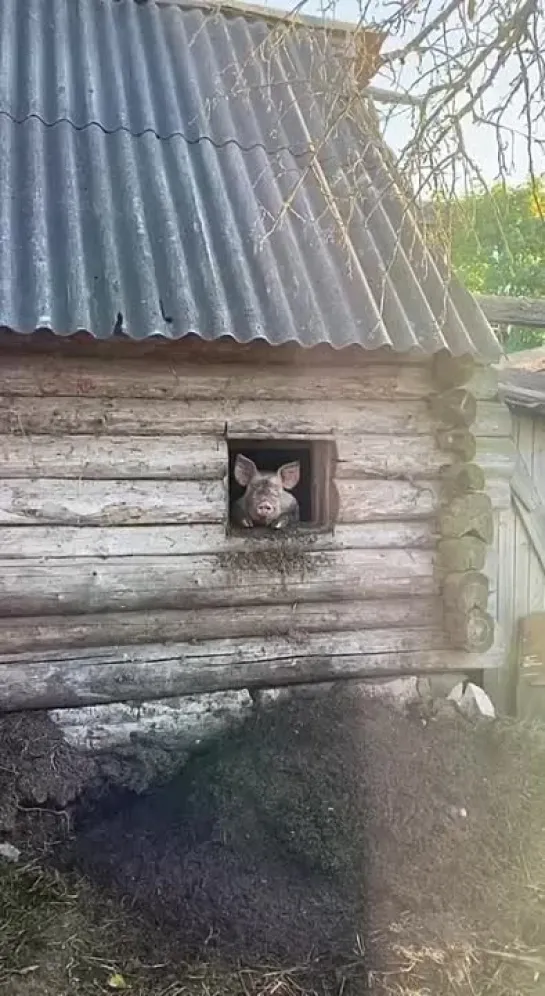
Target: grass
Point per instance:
(58, 938)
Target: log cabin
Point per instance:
(199, 257)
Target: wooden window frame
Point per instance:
(323, 459)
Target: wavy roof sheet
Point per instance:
(171, 170)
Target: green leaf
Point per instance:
(116, 981)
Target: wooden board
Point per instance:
(497, 455)
(117, 503)
(131, 628)
(182, 458)
(53, 376)
(103, 416)
(173, 540)
(32, 587)
(198, 457)
(111, 502)
(182, 722)
(387, 457)
(369, 500)
(74, 680)
(493, 419)
(532, 649)
(507, 310)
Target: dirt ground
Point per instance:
(334, 845)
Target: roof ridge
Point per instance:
(268, 14)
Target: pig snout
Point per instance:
(264, 509)
(263, 504)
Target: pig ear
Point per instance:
(289, 475)
(244, 470)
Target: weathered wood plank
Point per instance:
(30, 587)
(457, 407)
(53, 376)
(183, 721)
(111, 502)
(468, 515)
(104, 416)
(412, 457)
(158, 541)
(499, 491)
(484, 383)
(105, 503)
(496, 455)
(368, 500)
(493, 419)
(108, 457)
(253, 648)
(41, 633)
(506, 310)
(197, 457)
(75, 681)
(472, 631)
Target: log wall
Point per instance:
(118, 580)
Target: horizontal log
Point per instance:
(197, 457)
(493, 419)
(496, 455)
(466, 553)
(484, 383)
(244, 650)
(71, 681)
(276, 419)
(460, 442)
(465, 591)
(451, 371)
(412, 457)
(158, 541)
(39, 633)
(96, 416)
(182, 458)
(468, 515)
(183, 721)
(54, 376)
(472, 631)
(31, 587)
(461, 478)
(368, 500)
(111, 502)
(457, 407)
(506, 310)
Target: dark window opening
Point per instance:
(313, 492)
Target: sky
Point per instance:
(480, 140)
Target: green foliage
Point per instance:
(497, 244)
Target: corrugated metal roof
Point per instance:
(168, 170)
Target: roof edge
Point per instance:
(275, 14)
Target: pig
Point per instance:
(266, 501)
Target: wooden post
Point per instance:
(465, 521)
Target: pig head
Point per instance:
(266, 500)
